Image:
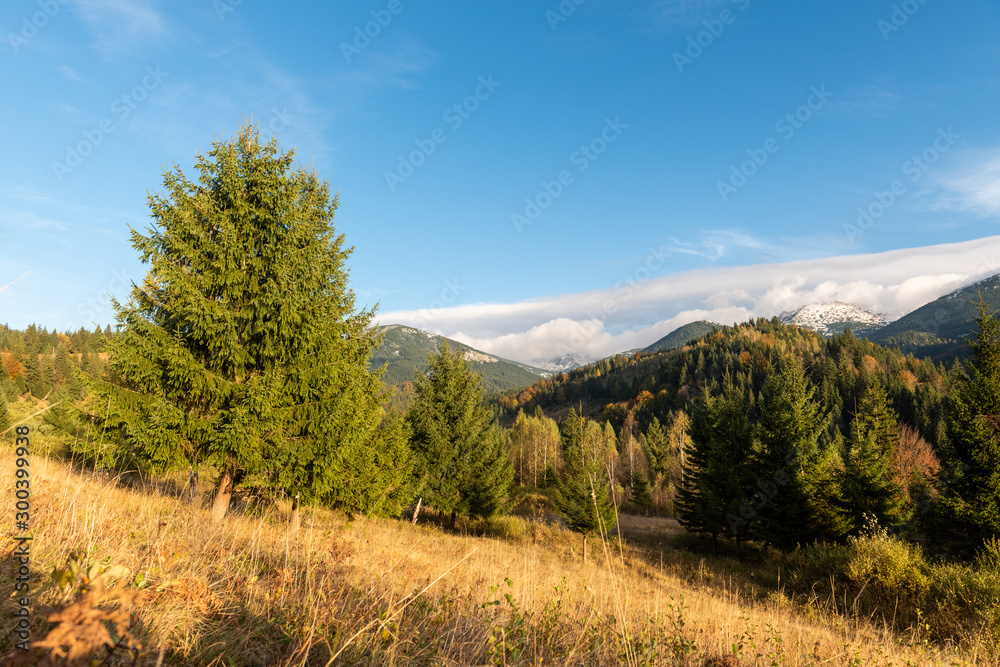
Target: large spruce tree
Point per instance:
(242, 347)
(584, 499)
(870, 489)
(799, 502)
(971, 495)
(718, 494)
(462, 463)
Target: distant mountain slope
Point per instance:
(949, 319)
(405, 350)
(834, 317)
(682, 336)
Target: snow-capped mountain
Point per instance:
(833, 317)
(566, 362)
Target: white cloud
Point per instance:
(973, 186)
(635, 314)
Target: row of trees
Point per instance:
(769, 466)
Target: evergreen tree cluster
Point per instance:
(46, 363)
(772, 466)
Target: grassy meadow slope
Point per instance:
(367, 591)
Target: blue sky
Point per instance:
(547, 149)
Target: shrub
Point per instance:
(890, 570)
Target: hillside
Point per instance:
(405, 350)
(382, 591)
(938, 329)
(661, 383)
(682, 336)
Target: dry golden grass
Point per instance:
(385, 592)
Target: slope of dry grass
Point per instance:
(385, 592)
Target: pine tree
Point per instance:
(485, 489)
(657, 448)
(584, 500)
(790, 467)
(550, 478)
(638, 491)
(62, 372)
(971, 498)
(718, 493)
(242, 346)
(38, 375)
(461, 464)
(869, 485)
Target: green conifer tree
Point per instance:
(638, 491)
(719, 494)
(550, 478)
(971, 497)
(657, 448)
(462, 465)
(242, 346)
(790, 467)
(584, 500)
(869, 485)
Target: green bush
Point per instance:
(505, 528)
(963, 602)
(889, 570)
(878, 573)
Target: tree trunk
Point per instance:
(293, 520)
(416, 512)
(451, 524)
(585, 549)
(221, 504)
(440, 519)
(193, 482)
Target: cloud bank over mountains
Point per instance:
(640, 309)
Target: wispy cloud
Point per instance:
(971, 186)
(120, 25)
(71, 74)
(683, 14)
(599, 323)
(18, 219)
(876, 100)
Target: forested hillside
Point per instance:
(405, 351)
(660, 384)
(940, 329)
